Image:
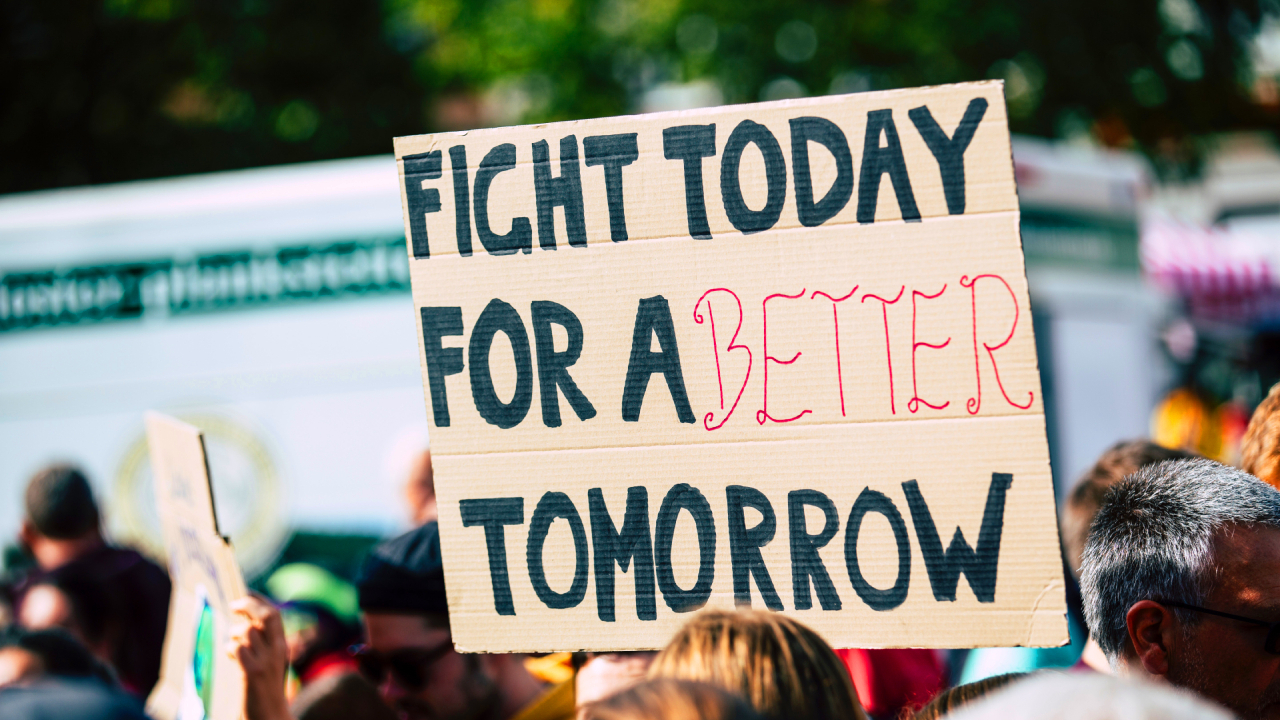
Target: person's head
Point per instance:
(951, 699)
(1072, 696)
(340, 696)
(27, 655)
(410, 655)
(780, 666)
(1173, 544)
(1118, 462)
(1260, 448)
(61, 515)
(666, 699)
(76, 604)
(420, 490)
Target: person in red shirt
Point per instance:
(889, 680)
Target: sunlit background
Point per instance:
(201, 214)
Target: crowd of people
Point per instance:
(1171, 563)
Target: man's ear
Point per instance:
(1151, 627)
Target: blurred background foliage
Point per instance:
(96, 91)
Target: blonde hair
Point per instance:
(667, 699)
(784, 669)
(1260, 448)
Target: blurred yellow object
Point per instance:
(557, 703)
(1182, 420)
(554, 668)
(1179, 420)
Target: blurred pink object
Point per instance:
(1225, 273)
(607, 673)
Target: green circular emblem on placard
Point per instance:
(246, 489)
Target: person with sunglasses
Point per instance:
(409, 653)
(1180, 581)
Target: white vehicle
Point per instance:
(270, 307)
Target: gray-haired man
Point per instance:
(1181, 582)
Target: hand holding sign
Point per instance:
(258, 645)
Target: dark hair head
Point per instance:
(947, 701)
(92, 605)
(405, 575)
(1154, 539)
(60, 503)
(1118, 462)
(667, 699)
(340, 696)
(60, 654)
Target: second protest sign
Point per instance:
(776, 355)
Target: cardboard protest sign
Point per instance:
(776, 355)
(197, 680)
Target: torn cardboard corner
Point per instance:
(776, 355)
(198, 679)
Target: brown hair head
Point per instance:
(60, 503)
(1260, 449)
(666, 699)
(784, 669)
(1117, 463)
(947, 701)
